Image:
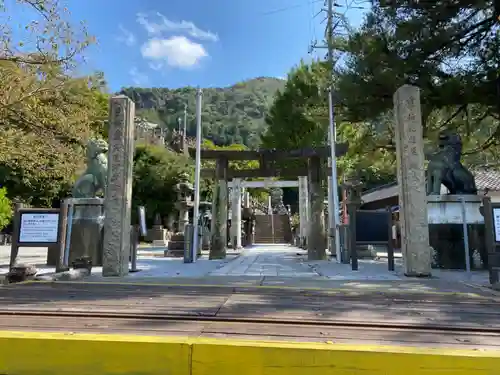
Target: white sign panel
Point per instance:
(142, 220)
(496, 223)
(39, 227)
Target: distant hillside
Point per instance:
(230, 115)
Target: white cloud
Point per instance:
(163, 24)
(126, 36)
(176, 51)
(139, 79)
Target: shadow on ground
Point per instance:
(403, 303)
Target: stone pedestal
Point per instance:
(316, 235)
(411, 182)
(205, 239)
(368, 251)
(447, 209)
(445, 218)
(159, 237)
(176, 246)
(117, 205)
(87, 234)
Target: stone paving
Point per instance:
(269, 260)
(272, 265)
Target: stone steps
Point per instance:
(264, 226)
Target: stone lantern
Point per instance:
(353, 188)
(184, 202)
(205, 223)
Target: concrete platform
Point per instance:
(84, 354)
(250, 325)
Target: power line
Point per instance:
(290, 7)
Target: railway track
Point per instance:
(362, 317)
(282, 322)
(250, 328)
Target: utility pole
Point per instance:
(185, 117)
(197, 178)
(333, 199)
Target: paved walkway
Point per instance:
(269, 260)
(259, 265)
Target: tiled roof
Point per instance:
(485, 179)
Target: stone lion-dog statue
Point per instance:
(446, 168)
(94, 179)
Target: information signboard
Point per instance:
(496, 223)
(142, 220)
(39, 227)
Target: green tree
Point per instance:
(449, 49)
(291, 119)
(156, 172)
(230, 115)
(5, 209)
(46, 112)
(299, 118)
(42, 141)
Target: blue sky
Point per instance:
(204, 43)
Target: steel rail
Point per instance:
(341, 324)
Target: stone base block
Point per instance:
(160, 243)
(87, 234)
(176, 246)
(367, 251)
(495, 278)
(157, 233)
(87, 241)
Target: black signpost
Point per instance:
(38, 227)
(491, 213)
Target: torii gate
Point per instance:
(239, 186)
(309, 182)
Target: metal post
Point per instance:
(390, 244)
(270, 211)
(466, 236)
(188, 243)
(63, 225)
(352, 237)
(71, 211)
(14, 248)
(334, 189)
(197, 179)
(331, 217)
(135, 233)
(490, 240)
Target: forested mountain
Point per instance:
(230, 115)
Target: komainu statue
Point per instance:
(445, 168)
(94, 179)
